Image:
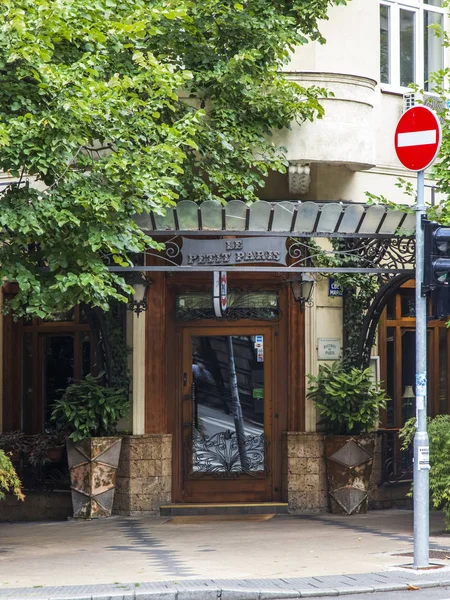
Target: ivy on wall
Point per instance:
(359, 290)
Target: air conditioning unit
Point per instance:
(440, 105)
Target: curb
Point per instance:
(281, 589)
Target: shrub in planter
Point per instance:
(348, 401)
(89, 412)
(438, 429)
(9, 482)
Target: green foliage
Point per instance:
(112, 109)
(88, 409)
(359, 291)
(9, 482)
(439, 439)
(348, 399)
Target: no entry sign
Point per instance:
(417, 138)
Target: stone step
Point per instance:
(241, 508)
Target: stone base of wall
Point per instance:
(304, 477)
(386, 495)
(144, 476)
(37, 506)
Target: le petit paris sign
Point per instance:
(234, 251)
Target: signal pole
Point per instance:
(421, 445)
(417, 140)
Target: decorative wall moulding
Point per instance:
(299, 178)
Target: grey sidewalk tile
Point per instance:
(278, 594)
(198, 593)
(317, 593)
(239, 594)
(158, 595)
(112, 596)
(356, 590)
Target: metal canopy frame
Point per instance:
(377, 239)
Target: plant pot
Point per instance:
(93, 464)
(349, 461)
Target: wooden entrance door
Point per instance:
(227, 422)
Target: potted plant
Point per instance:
(89, 412)
(349, 401)
(9, 482)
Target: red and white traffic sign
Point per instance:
(417, 138)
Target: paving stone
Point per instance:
(198, 594)
(238, 594)
(356, 590)
(278, 594)
(317, 593)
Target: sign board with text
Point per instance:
(243, 251)
(329, 348)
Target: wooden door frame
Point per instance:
(188, 331)
(13, 338)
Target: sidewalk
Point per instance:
(184, 559)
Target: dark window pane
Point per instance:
(390, 379)
(443, 372)
(390, 308)
(408, 399)
(407, 47)
(27, 383)
(433, 47)
(408, 303)
(58, 370)
(86, 355)
(385, 75)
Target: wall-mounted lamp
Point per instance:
(138, 302)
(302, 287)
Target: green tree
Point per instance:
(113, 108)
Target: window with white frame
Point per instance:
(409, 48)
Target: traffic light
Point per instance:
(436, 256)
(440, 303)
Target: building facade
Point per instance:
(188, 366)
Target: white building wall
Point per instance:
(351, 150)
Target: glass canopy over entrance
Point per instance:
(313, 219)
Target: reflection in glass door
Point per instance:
(227, 405)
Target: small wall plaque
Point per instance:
(329, 348)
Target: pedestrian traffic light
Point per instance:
(436, 256)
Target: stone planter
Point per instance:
(93, 465)
(349, 461)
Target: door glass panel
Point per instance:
(408, 400)
(390, 380)
(58, 370)
(227, 410)
(408, 303)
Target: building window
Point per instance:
(397, 339)
(410, 50)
